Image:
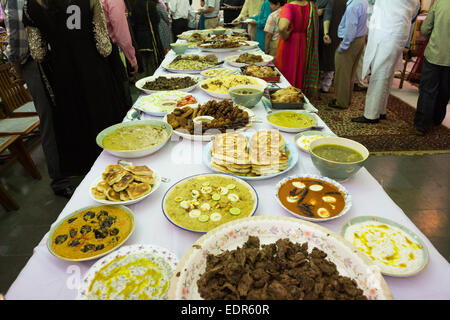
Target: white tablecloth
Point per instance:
(47, 277)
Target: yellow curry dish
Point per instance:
(91, 232)
(136, 272)
(291, 120)
(203, 202)
(221, 85)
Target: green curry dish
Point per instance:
(337, 153)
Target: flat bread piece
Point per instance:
(124, 196)
(102, 186)
(138, 189)
(140, 170)
(97, 194)
(113, 174)
(112, 195)
(123, 183)
(147, 179)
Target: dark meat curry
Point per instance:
(282, 270)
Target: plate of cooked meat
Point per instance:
(169, 82)
(204, 121)
(249, 58)
(285, 258)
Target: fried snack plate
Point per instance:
(349, 261)
(155, 187)
(209, 137)
(140, 83)
(153, 250)
(290, 148)
(342, 189)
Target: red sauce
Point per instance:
(325, 203)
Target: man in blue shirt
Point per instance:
(352, 31)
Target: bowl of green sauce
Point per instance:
(246, 95)
(338, 158)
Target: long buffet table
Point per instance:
(47, 277)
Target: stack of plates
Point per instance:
(230, 155)
(267, 153)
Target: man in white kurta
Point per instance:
(389, 28)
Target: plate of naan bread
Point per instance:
(262, 155)
(125, 184)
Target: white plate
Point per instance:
(220, 72)
(185, 226)
(293, 130)
(209, 137)
(405, 231)
(155, 187)
(251, 45)
(347, 196)
(140, 83)
(154, 104)
(231, 60)
(156, 251)
(293, 159)
(166, 67)
(262, 83)
(349, 261)
(302, 141)
(219, 50)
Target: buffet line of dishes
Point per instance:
(239, 256)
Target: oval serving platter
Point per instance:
(157, 255)
(349, 261)
(155, 187)
(342, 189)
(209, 137)
(423, 262)
(140, 83)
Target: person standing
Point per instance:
(211, 12)
(271, 28)
(352, 30)
(297, 55)
(251, 8)
(119, 32)
(179, 10)
(231, 9)
(145, 21)
(86, 94)
(389, 28)
(330, 43)
(326, 52)
(164, 30)
(18, 53)
(259, 22)
(434, 88)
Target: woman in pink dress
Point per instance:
(297, 54)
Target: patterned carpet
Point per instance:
(395, 135)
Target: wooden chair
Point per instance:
(15, 97)
(17, 151)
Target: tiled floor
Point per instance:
(418, 184)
